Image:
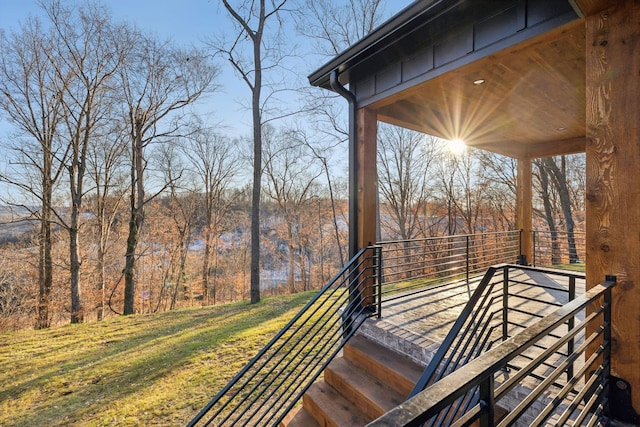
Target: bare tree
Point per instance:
(547, 193)
(290, 184)
(158, 81)
(88, 52)
(500, 172)
(332, 27)
(446, 193)
(16, 290)
(553, 175)
(558, 174)
(182, 209)
(32, 102)
(323, 154)
(335, 26)
(108, 186)
(215, 165)
(251, 19)
(405, 158)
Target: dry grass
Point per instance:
(157, 369)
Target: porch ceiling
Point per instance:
(531, 104)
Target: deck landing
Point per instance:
(416, 323)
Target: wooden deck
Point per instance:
(416, 324)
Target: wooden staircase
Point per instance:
(366, 382)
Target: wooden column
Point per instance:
(367, 176)
(613, 175)
(524, 209)
(367, 191)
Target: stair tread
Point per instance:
(331, 409)
(391, 368)
(368, 393)
(299, 417)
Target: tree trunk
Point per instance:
(136, 220)
(77, 315)
(206, 261)
(560, 180)
(45, 279)
(292, 260)
(336, 228)
(548, 213)
(75, 178)
(129, 264)
(101, 278)
(45, 274)
(184, 251)
(257, 173)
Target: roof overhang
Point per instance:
(505, 76)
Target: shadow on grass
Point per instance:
(88, 381)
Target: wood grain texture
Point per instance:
(367, 187)
(533, 94)
(367, 176)
(613, 175)
(591, 7)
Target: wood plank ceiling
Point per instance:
(531, 102)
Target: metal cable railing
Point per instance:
(558, 249)
(271, 384)
(421, 264)
(550, 386)
(507, 300)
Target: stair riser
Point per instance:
(380, 371)
(368, 407)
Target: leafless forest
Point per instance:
(118, 197)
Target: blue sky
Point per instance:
(186, 22)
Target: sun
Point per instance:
(457, 146)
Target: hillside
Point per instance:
(157, 369)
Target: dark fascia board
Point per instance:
(409, 18)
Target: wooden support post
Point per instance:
(367, 189)
(613, 175)
(524, 209)
(367, 177)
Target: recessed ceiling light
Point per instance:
(478, 82)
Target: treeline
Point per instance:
(195, 243)
(140, 205)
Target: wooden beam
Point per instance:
(510, 149)
(591, 7)
(536, 150)
(613, 174)
(524, 206)
(557, 148)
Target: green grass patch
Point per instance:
(157, 369)
(578, 266)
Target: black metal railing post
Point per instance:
(571, 324)
(378, 256)
(467, 267)
(522, 258)
(487, 402)
(505, 303)
(606, 338)
(471, 393)
(533, 243)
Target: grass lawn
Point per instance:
(579, 266)
(157, 369)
